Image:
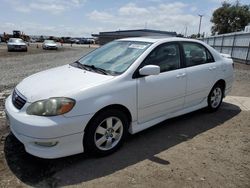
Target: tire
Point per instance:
(106, 132)
(215, 97)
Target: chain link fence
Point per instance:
(235, 44)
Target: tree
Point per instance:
(196, 36)
(230, 18)
(180, 35)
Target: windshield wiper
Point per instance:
(91, 68)
(96, 69)
(79, 65)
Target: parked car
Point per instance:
(49, 45)
(123, 87)
(32, 40)
(86, 41)
(74, 41)
(16, 44)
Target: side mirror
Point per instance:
(149, 70)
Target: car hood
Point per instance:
(59, 82)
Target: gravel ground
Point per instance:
(242, 80)
(199, 149)
(15, 66)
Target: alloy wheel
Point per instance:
(216, 97)
(108, 133)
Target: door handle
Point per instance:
(181, 75)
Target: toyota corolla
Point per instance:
(123, 87)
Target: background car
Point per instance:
(49, 45)
(32, 40)
(17, 44)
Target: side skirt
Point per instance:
(135, 127)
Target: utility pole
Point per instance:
(185, 35)
(200, 15)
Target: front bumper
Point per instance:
(17, 47)
(50, 47)
(30, 130)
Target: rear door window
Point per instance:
(196, 54)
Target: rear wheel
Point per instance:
(215, 98)
(106, 132)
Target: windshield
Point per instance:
(16, 40)
(49, 41)
(115, 57)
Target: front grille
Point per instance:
(17, 100)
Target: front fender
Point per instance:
(94, 99)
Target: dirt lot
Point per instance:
(36, 48)
(195, 150)
(14, 66)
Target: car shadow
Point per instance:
(144, 145)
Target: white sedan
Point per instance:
(123, 87)
(49, 45)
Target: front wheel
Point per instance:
(106, 132)
(215, 98)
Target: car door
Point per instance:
(163, 93)
(201, 73)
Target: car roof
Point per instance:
(155, 39)
(158, 40)
(16, 38)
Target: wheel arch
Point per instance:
(119, 107)
(222, 83)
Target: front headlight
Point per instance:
(51, 107)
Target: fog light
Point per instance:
(46, 144)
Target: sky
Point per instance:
(81, 18)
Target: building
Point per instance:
(105, 37)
